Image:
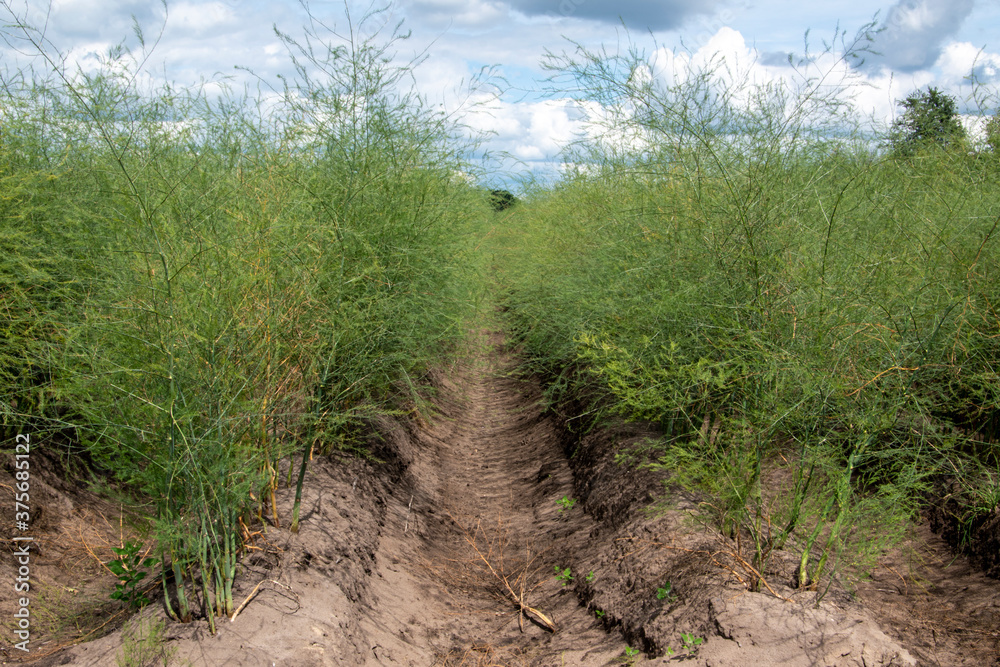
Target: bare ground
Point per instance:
(446, 553)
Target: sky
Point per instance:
(204, 42)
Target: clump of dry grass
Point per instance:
(483, 655)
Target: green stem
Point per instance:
(166, 591)
(298, 489)
(206, 574)
(184, 609)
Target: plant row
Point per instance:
(196, 287)
(808, 318)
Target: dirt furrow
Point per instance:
(479, 533)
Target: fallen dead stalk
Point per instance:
(254, 592)
(493, 560)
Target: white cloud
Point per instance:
(551, 126)
(960, 59)
(441, 79)
(728, 48)
(915, 30)
(668, 67)
(501, 120)
(201, 19)
(530, 131)
(739, 70)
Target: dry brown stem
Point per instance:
(490, 555)
(747, 566)
(254, 592)
(712, 556)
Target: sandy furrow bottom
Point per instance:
(473, 543)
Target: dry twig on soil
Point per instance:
(254, 592)
(491, 558)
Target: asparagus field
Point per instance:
(282, 362)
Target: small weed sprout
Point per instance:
(566, 503)
(128, 567)
(666, 593)
(690, 642)
(590, 576)
(564, 575)
(599, 613)
(631, 656)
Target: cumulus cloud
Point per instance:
(914, 32)
(961, 60)
(736, 67)
(637, 14)
(739, 70)
(205, 37)
(531, 131)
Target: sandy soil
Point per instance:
(446, 553)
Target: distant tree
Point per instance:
(929, 118)
(501, 200)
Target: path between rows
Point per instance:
(481, 527)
